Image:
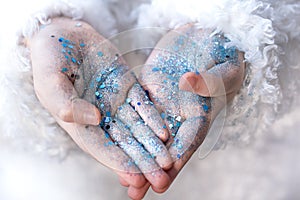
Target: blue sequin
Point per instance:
(100, 54)
(98, 79)
(61, 39)
(107, 119)
(107, 135)
(64, 69)
(73, 60)
(128, 100)
(155, 69)
(205, 108)
(102, 86)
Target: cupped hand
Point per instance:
(79, 76)
(190, 75)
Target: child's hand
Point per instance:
(74, 69)
(197, 61)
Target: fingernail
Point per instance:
(187, 83)
(90, 118)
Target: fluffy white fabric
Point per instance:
(269, 33)
(264, 30)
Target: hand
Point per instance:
(65, 54)
(196, 61)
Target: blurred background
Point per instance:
(39, 162)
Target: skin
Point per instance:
(66, 60)
(190, 100)
(215, 74)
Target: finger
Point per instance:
(138, 193)
(188, 138)
(99, 145)
(83, 112)
(136, 180)
(123, 182)
(222, 79)
(143, 105)
(142, 158)
(145, 135)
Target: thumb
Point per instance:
(205, 84)
(222, 79)
(81, 112)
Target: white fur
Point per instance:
(255, 27)
(269, 33)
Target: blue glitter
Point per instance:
(139, 103)
(71, 46)
(205, 108)
(120, 108)
(102, 86)
(171, 72)
(67, 57)
(128, 100)
(155, 69)
(171, 78)
(98, 79)
(164, 126)
(107, 135)
(163, 115)
(97, 94)
(64, 69)
(82, 45)
(180, 40)
(100, 54)
(178, 156)
(108, 114)
(73, 60)
(67, 41)
(116, 85)
(107, 119)
(110, 143)
(63, 50)
(69, 52)
(92, 85)
(61, 39)
(197, 73)
(101, 105)
(173, 83)
(64, 44)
